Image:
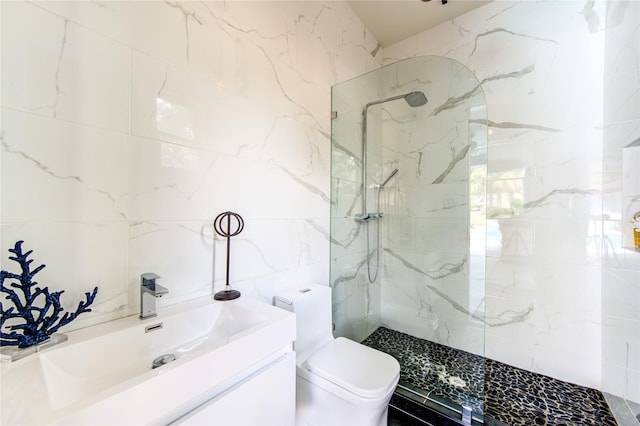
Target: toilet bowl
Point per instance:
(338, 381)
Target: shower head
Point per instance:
(415, 99)
(393, 173)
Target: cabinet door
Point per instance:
(266, 398)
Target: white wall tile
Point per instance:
(545, 165)
(187, 253)
(78, 257)
(87, 158)
(57, 171)
(93, 80)
(31, 55)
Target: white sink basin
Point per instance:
(110, 365)
(77, 371)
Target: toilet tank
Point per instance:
(312, 305)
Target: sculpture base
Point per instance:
(227, 295)
(14, 353)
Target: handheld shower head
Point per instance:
(393, 173)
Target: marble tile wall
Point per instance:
(128, 126)
(551, 73)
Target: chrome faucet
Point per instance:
(149, 290)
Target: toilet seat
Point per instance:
(359, 369)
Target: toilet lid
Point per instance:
(359, 369)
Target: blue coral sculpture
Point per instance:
(35, 314)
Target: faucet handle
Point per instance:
(148, 278)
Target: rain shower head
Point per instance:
(415, 99)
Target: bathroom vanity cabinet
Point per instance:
(264, 398)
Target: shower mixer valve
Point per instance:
(367, 216)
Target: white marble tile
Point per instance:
(621, 382)
(44, 183)
(507, 198)
(451, 236)
(519, 51)
(438, 290)
(181, 104)
(565, 281)
(622, 104)
(621, 337)
(616, 137)
(621, 293)
(153, 27)
(511, 158)
(313, 38)
(32, 41)
(93, 80)
(172, 182)
(511, 238)
(309, 153)
(78, 257)
(355, 47)
(277, 192)
(436, 318)
(446, 39)
(546, 173)
(265, 287)
(165, 105)
(166, 181)
(403, 49)
(510, 344)
(269, 246)
(274, 85)
(182, 253)
(349, 269)
(350, 312)
(509, 279)
(345, 203)
(565, 335)
(446, 200)
(559, 354)
(348, 252)
(54, 67)
(580, 244)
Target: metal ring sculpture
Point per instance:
(218, 226)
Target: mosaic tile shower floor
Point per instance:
(495, 391)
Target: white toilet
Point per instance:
(339, 381)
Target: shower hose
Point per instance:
(375, 275)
